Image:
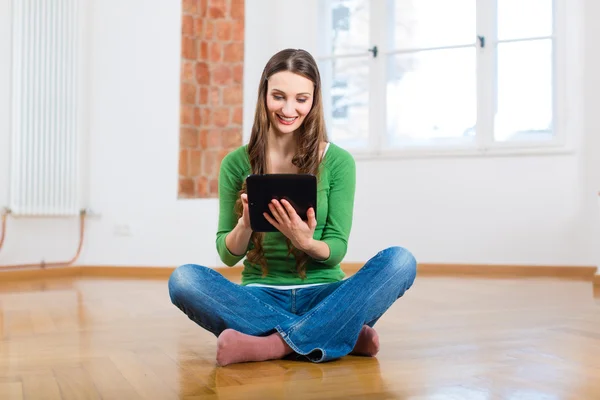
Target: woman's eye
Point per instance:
(301, 100)
(278, 97)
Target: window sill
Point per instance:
(445, 152)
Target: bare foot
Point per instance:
(234, 347)
(367, 343)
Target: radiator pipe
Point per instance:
(4, 217)
(43, 264)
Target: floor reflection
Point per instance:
(349, 377)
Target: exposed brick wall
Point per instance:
(212, 57)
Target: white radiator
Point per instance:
(46, 108)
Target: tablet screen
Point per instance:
(299, 189)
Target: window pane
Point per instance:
(432, 23)
(349, 26)
(431, 97)
(525, 94)
(524, 18)
(346, 100)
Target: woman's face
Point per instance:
(289, 100)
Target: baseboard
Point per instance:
(38, 273)
(585, 273)
(425, 269)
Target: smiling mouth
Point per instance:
(286, 120)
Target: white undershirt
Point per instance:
(290, 287)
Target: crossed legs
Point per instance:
(338, 325)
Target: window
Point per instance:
(463, 74)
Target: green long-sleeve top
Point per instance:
(335, 204)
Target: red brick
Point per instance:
(203, 51)
(209, 30)
(231, 138)
(187, 25)
(199, 27)
(206, 116)
(221, 75)
(197, 117)
(187, 70)
(203, 95)
(233, 52)
(215, 96)
(202, 186)
(188, 47)
(238, 30)
(217, 8)
(195, 163)
(211, 97)
(186, 114)
(190, 7)
(213, 187)
(223, 29)
(237, 116)
(237, 9)
(202, 73)
(202, 8)
(232, 95)
(183, 163)
(188, 93)
(238, 73)
(209, 163)
(186, 187)
(213, 139)
(215, 52)
(220, 117)
(188, 138)
(203, 139)
(214, 12)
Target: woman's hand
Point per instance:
(289, 223)
(244, 220)
(237, 240)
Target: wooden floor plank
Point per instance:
(108, 380)
(141, 377)
(41, 387)
(452, 338)
(11, 390)
(42, 321)
(180, 379)
(75, 383)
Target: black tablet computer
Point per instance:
(299, 189)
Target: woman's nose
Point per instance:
(288, 109)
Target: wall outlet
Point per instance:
(122, 230)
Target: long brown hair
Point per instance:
(308, 139)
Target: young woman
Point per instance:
(293, 297)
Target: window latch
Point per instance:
(374, 50)
(481, 41)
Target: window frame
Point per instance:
(484, 143)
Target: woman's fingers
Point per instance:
(289, 209)
(312, 220)
(271, 220)
(274, 212)
(281, 212)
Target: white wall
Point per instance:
(134, 141)
(524, 210)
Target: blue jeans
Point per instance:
(320, 322)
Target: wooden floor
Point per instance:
(446, 339)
